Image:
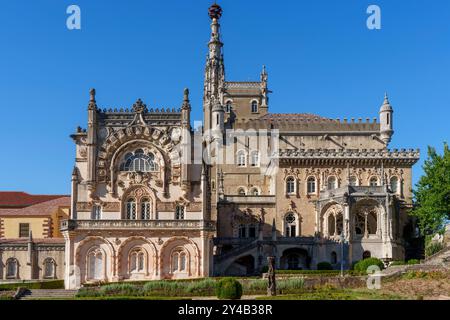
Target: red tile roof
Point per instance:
(17, 199)
(40, 209)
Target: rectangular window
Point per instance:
(96, 212)
(24, 230)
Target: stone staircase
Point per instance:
(437, 262)
(49, 294)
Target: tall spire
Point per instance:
(214, 70)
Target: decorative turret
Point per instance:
(214, 69)
(386, 121)
(186, 110)
(218, 117)
(91, 140)
(264, 91)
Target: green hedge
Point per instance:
(54, 284)
(363, 265)
(229, 289)
(324, 266)
(413, 261)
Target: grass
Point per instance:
(205, 287)
(337, 294)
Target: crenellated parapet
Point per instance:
(407, 157)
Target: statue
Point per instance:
(272, 286)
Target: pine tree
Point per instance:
(432, 194)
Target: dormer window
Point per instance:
(139, 161)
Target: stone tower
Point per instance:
(386, 121)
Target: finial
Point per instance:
(92, 94)
(186, 94)
(215, 11)
(386, 99)
(264, 69)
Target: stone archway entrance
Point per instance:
(295, 259)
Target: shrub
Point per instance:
(413, 261)
(397, 263)
(120, 289)
(324, 266)
(291, 284)
(362, 265)
(200, 286)
(229, 288)
(433, 248)
(54, 284)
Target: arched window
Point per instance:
(241, 161)
(139, 162)
(96, 212)
(131, 209)
(95, 264)
(228, 106)
(394, 184)
(373, 182)
(290, 225)
(311, 185)
(254, 106)
(137, 260)
(255, 192)
(290, 185)
(179, 212)
(353, 181)
(241, 191)
(252, 231)
(49, 268)
(254, 159)
(12, 268)
(179, 260)
(145, 209)
(333, 257)
(332, 183)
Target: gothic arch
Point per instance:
(138, 192)
(131, 243)
(332, 211)
(92, 241)
(189, 245)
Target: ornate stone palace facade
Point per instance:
(298, 187)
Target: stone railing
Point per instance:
(136, 224)
(249, 199)
(339, 192)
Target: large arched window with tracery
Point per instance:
(95, 261)
(290, 225)
(139, 161)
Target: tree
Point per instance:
(432, 194)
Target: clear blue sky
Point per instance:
(320, 56)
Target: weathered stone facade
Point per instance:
(298, 187)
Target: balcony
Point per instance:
(250, 199)
(353, 190)
(69, 225)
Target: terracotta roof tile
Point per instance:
(17, 199)
(40, 209)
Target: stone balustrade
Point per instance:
(136, 224)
